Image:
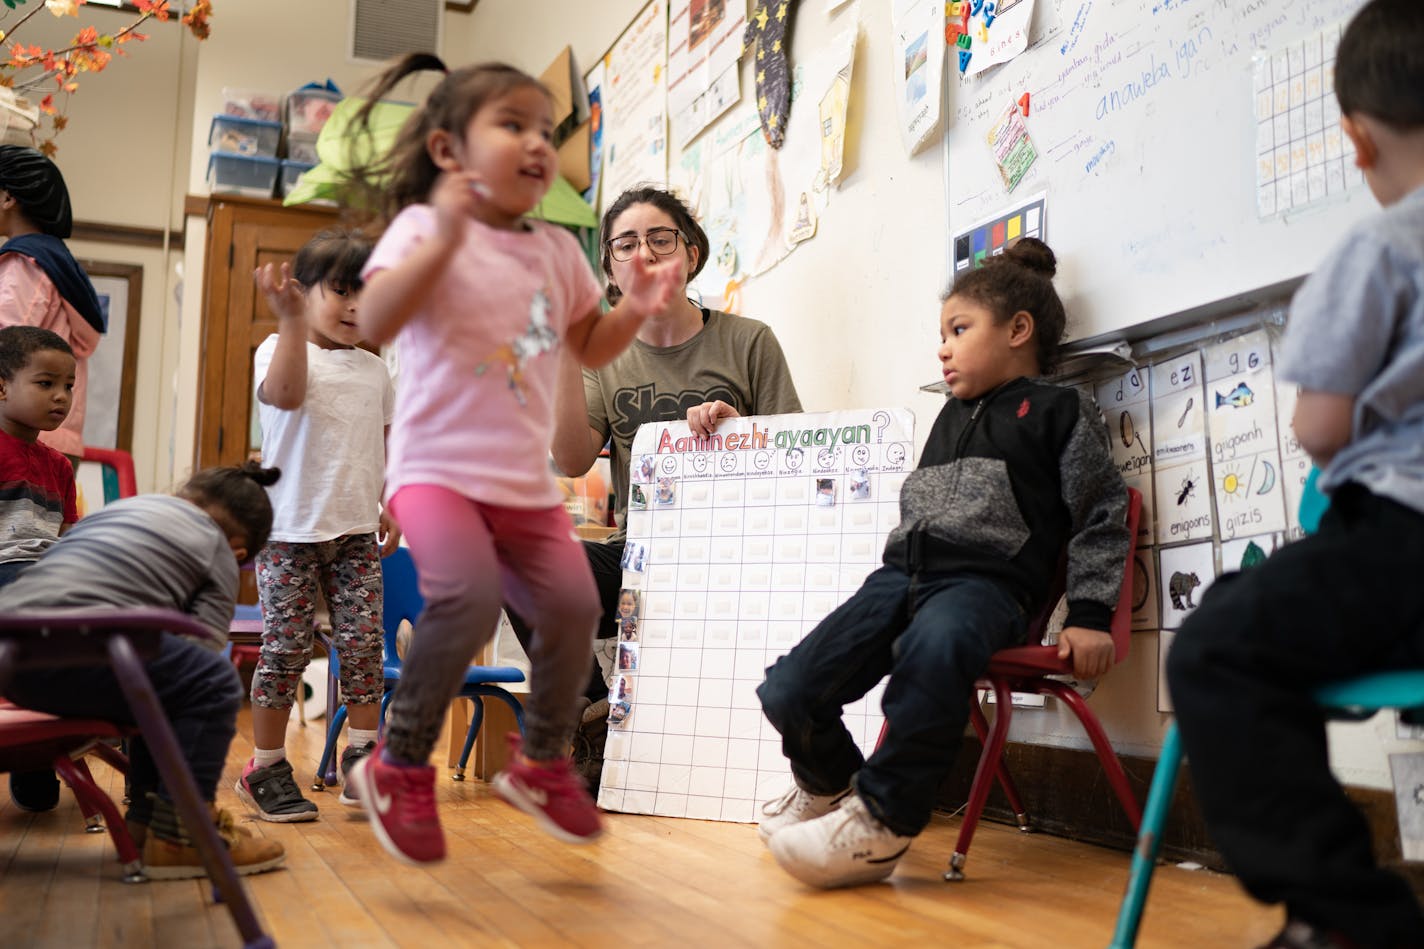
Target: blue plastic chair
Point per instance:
(1359, 697)
(404, 602)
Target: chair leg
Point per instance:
(1011, 791)
(178, 780)
(477, 717)
(94, 802)
(983, 780)
(325, 767)
(1149, 841)
(1112, 767)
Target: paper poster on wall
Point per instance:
(635, 104)
(1012, 149)
(1127, 410)
(1302, 156)
(770, 523)
(993, 234)
(994, 32)
(1184, 574)
(1295, 463)
(1182, 482)
(593, 81)
(917, 27)
(756, 203)
(1245, 454)
(704, 45)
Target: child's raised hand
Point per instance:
(1091, 650)
(454, 198)
(283, 293)
(653, 285)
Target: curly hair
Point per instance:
(1021, 278)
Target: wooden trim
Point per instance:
(1066, 796)
(104, 233)
(133, 274)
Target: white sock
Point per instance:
(262, 757)
(360, 737)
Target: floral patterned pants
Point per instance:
(347, 571)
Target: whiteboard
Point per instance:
(1143, 113)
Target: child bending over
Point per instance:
(1014, 469)
(179, 553)
(1346, 600)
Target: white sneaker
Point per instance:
(846, 847)
(796, 806)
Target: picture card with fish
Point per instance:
(1178, 416)
(1183, 493)
(1128, 412)
(1240, 396)
(1184, 574)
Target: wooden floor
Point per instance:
(649, 882)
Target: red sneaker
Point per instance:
(400, 800)
(552, 794)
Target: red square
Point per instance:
(998, 239)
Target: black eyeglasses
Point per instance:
(662, 241)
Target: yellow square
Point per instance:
(1015, 227)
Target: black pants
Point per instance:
(606, 562)
(1340, 603)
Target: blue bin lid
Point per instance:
(259, 159)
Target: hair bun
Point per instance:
(1034, 254)
(263, 476)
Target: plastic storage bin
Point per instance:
(239, 136)
(250, 104)
(308, 109)
(302, 148)
(252, 175)
(291, 171)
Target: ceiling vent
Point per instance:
(384, 29)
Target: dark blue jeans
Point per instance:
(197, 687)
(933, 635)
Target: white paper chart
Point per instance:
(738, 544)
(1302, 156)
(1179, 452)
(1245, 450)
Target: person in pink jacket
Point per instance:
(41, 284)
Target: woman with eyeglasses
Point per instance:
(686, 362)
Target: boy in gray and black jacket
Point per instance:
(1015, 471)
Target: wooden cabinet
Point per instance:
(243, 234)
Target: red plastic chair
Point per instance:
(30, 741)
(120, 461)
(1027, 669)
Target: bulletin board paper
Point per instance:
(704, 45)
(743, 542)
(635, 103)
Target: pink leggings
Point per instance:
(471, 558)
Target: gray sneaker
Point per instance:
(793, 807)
(271, 793)
(353, 753)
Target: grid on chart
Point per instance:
(746, 551)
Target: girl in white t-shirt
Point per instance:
(482, 299)
(324, 405)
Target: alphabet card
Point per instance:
(1179, 451)
(1186, 571)
(750, 537)
(1245, 453)
(1128, 412)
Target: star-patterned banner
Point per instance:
(768, 38)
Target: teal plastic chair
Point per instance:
(1355, 698)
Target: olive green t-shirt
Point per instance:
(733, 358)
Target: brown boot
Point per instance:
(167, 856)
